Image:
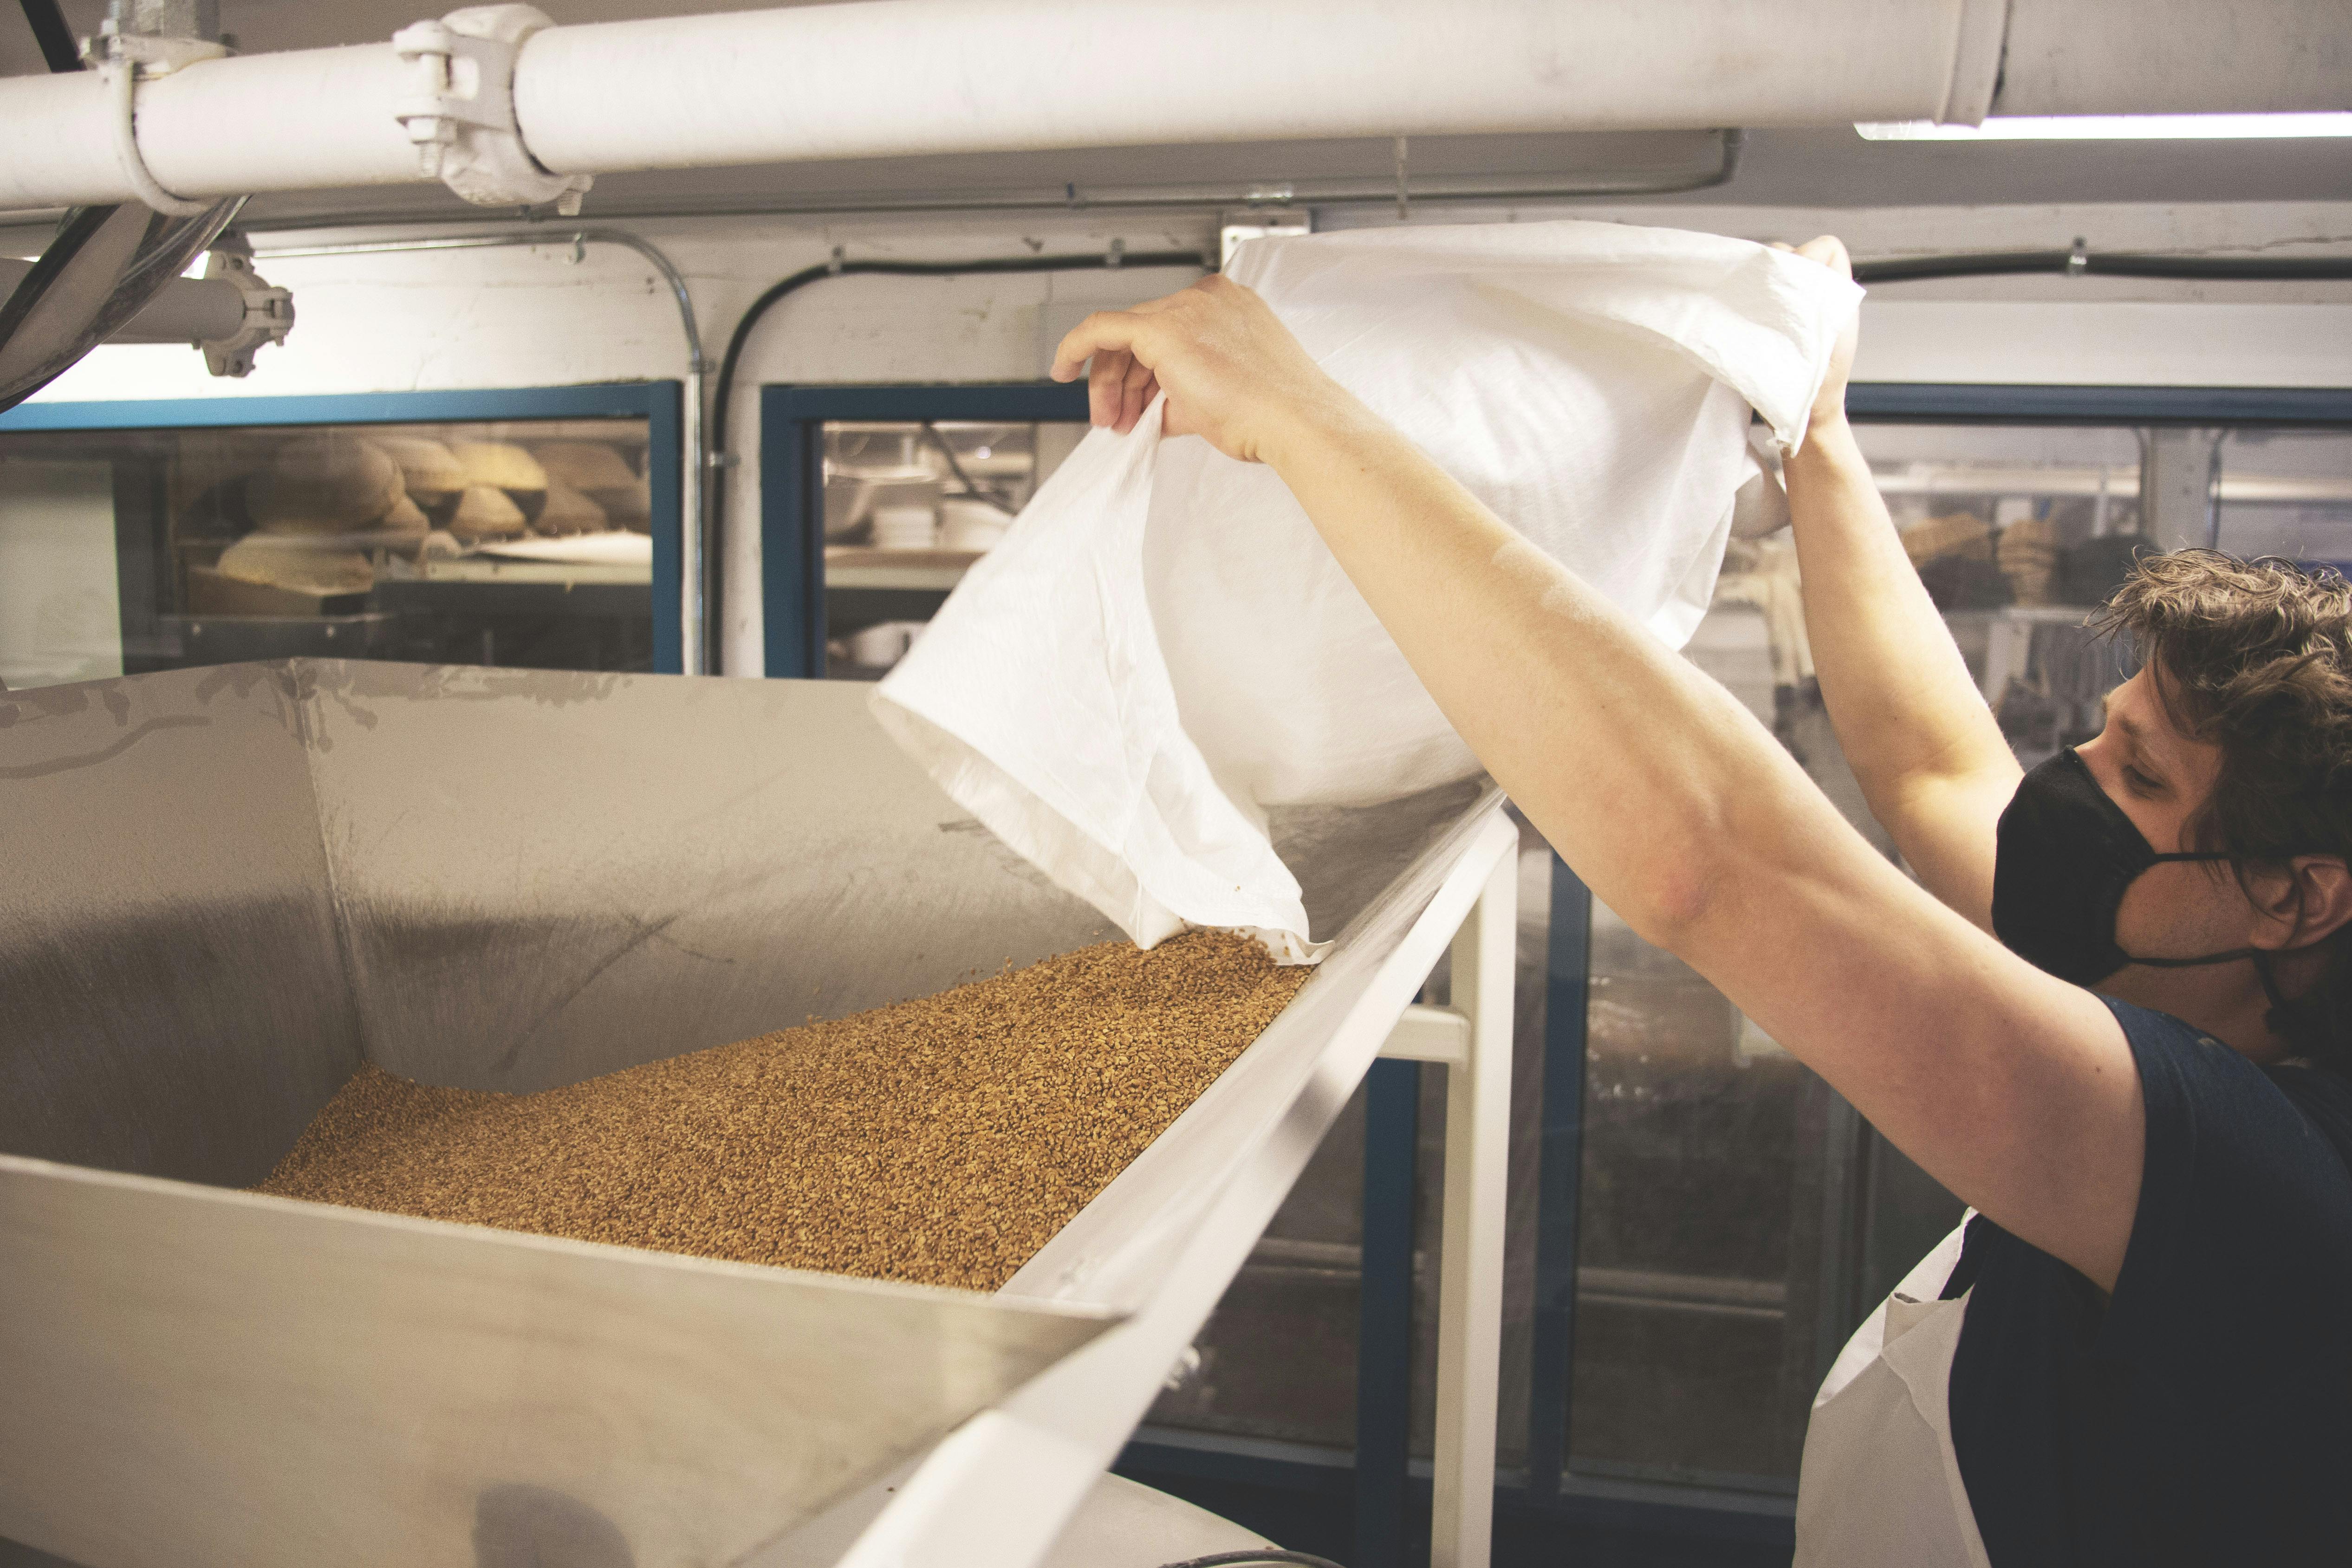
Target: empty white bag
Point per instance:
(1163, 647)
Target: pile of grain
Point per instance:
(941, 1140)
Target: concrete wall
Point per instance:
(541, 316)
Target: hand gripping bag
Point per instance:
(1162, 648)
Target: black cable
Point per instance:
(722, 396)
(1259, 1555)
(58, 50)
(724, 393)
(932, 430)
(2086, 263)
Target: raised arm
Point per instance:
(1926, 750)
(2014, 1089)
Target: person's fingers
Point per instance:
(1107, 385)
(1103, 330)
(1830, 251)
(1133, 399)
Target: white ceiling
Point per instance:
(1830, 167)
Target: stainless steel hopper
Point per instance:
(226, 887)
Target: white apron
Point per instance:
(1880, 1482)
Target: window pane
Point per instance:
(2286, 491)
(525, 544)
(909, 506)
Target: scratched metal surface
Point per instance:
(175, 999)
(545, 876)
(226, 886)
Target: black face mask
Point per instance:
(2064, 855)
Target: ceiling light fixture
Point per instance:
(2111, 127)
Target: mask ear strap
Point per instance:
(2266, 971)
(2259, 955)
(2306, 1022)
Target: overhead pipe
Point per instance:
(1435, 190)
(898, 78)
(895, 78)
(184, 310)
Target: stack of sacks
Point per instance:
(433, 477)
(602, 477)
(2028, 555)
(326, 483)
(323, 503)
(505, 488)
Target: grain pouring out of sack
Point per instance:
(1162, 651)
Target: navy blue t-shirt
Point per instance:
(2204, 1415)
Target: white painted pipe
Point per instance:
(184, 310)
(878, 77)
(2176, 56)
(304, 120)
(910, 76)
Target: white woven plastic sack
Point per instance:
(1163, 647)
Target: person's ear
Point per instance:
(2305, 904)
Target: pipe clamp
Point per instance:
(460, 108)
(269, 309)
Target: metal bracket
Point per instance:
(269, 309)
(460, 108)
(123, 59)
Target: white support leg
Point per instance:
(1471, 1040)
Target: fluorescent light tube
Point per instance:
(2111, 127)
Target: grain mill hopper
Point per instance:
(227, 888)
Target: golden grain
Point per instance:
(941, 1140)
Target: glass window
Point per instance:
(909, 506)
(2285, 492)
(518, 543)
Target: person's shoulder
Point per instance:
(2242, 1162)
(2183, 1068)
(2325, 1099)
(2184, 1072)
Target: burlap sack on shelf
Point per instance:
(486, 512)
(405, 518)
(567, 512)
(278, 560)
(585, 465)
(502, 466)
(328, 483)
(430, 471)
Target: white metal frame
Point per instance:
(998, 1491)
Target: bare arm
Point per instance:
(2014, 1089)
(1929, 757)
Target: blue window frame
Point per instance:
(656, 403)
(792, 481)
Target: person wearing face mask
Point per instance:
(2113, 1012)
